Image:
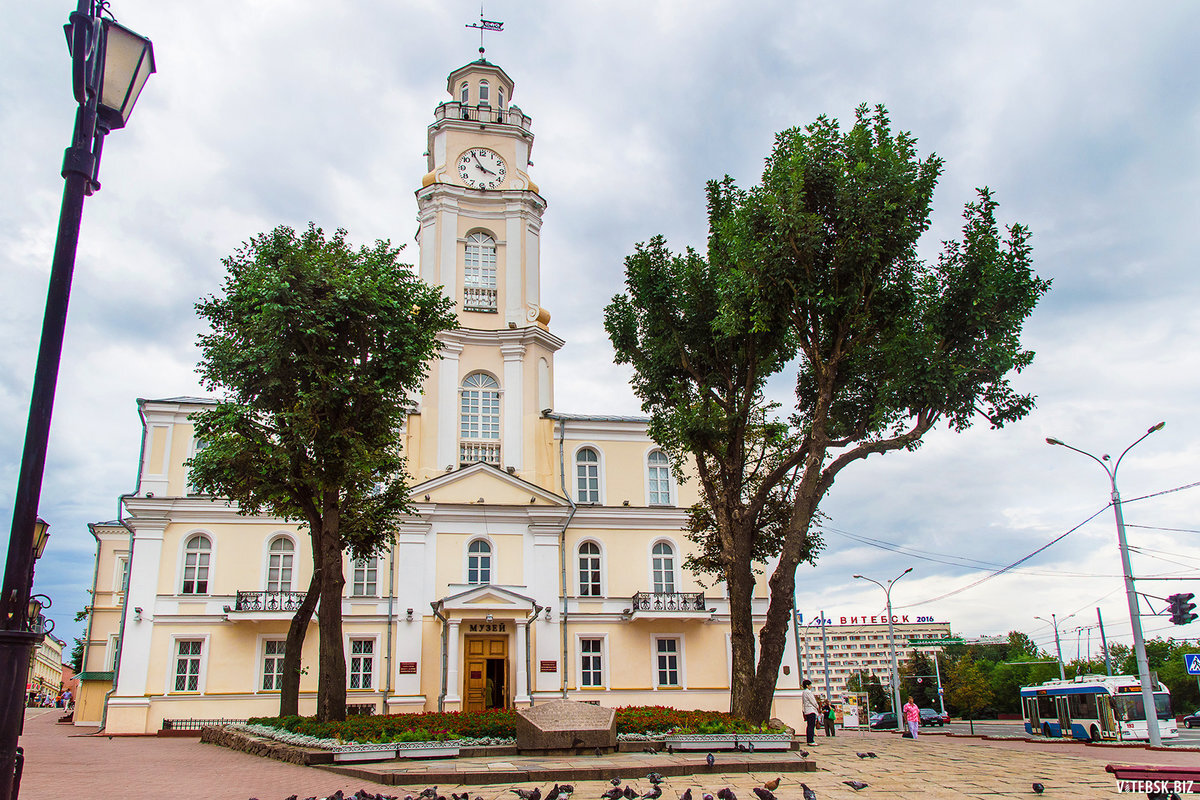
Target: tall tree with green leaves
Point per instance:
(314, 349)
(816, 270)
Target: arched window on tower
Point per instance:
(484, 98)
(479, 562)
(464, 93)
(479, 420)
(479, 274)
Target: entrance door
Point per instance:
(487, 673)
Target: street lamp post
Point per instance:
(1135, 619)
(109, 67)
(887, 591)
(1062, 673)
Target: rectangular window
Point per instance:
(362, 663)
(668, 662)
(187, 665)
(365, 582)
(123, 574)
(272, 664)
(591, 663)
(113, 653)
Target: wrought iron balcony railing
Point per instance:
(669, 601)
(483, 113)
(268, 601)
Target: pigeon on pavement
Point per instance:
(809, 794)
(613, 794)
(528, 794)
(726, 794)
(554, 793)
(629, 792)
(763, 794)
(709, 758)
(1038, 788)
(654, 778)
(429, 793)
(855, 785)
(687, 794)
(654, 793)
(804, 754)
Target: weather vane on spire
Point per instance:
(485, 25)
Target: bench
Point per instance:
(1157, 782)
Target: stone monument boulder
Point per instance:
(565, 726)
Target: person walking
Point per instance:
(912, 715)
(810, 707)
(829, 716)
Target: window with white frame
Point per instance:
(187, 664)
(662, 559)
(366, 572)
(587, 475)
(591, 662)
(667, 667)
(483, 93)
(112, 653)
(280, 555)
(122, 582)
(479, 562)
(479, 273)
(272, 679)
(500, 97)
(197, 554)
(362, 663)
(589, 569)
(658, 479)
(479, 420)
(464, 94)
(198, 445)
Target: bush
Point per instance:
(496, 724)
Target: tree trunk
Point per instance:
(331, 676)
(740, 582)
(289, 688)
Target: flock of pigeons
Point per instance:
(619, 790)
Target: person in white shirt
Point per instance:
(811, 707)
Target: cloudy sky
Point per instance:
(1082, 117)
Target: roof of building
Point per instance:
(207, 401)
(593, 417)
(95, 676)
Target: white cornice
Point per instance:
(629, 517)
(525, 336)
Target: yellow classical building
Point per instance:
(546, 555)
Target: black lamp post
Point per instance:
(110, 65)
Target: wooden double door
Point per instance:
(486, 682)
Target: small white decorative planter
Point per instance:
(729, 741)
(428, 749)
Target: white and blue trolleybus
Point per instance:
(1095, 707)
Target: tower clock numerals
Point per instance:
(481, 168)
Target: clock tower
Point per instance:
(480, 219)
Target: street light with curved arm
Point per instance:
(1062, 673)
(1139, 644)
(887, 591)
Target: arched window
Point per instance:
(464, 95)
(589, 569)
(479, 420)
(280, 555)
(479, 273)
(500, 97)
(196, 556)
(483, 93)
(479, 562)
(587, 475)
(658, 479)
(663, 566)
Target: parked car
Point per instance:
(883, 721)
(931, 717)
(1191, 720)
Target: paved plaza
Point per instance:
(64, 762)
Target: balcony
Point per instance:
(474, 452)
(483, 113)
(264, 606)
(479, 299)
(669, 605)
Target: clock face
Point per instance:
(480, 168)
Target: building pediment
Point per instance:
(483, 484)
(488, 597)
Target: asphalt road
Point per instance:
(1187, 737)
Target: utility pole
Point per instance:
(937, 674)
(825, 650)
(1062, 673)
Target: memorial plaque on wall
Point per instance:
(408, 668)
(549, 666)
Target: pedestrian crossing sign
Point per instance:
(1192, 661)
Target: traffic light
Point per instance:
(1181, 608)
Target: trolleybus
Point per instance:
(1095, 707)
